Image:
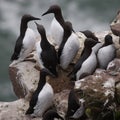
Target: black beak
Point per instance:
(47, 12)
(37, 19)
(73, 30)
(36, 23)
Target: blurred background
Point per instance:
(95, 15)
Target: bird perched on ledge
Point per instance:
(42, 98)
(106, 53)
(56, 28)
(51, 114)
(47, 56)
(26, 40)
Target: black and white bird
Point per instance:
(87, 61)
(89, 34)
(47, 56)
(106, 53)
(56, 28)
(75, 109)
(26, 40)
(73, 104)
(42, 98)
(90, 64)
(69, 46)
(51, 115)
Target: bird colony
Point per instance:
(60, 52)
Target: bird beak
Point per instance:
(36, 23)
(73, 30)
(45, 13)
(35, 18)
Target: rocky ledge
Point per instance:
(100, 91)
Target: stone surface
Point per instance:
(100, 90)
(115, 25)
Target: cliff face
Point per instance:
(100, 91)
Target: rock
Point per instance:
(115, 25)
(23, 77)
(100, 90)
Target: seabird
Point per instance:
(89, 34)
(73, 104)
(106, 53)
(26, 40)
(43, 96)
(51, 115)
(69, 46)
(87, 61)
(56, 28)
(47, 56)
(90, 64)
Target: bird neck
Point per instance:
(59, 18)
(65, 38)
(86, 52)
(41, 82)
(23, 28)
(44, 42)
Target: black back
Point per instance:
(108, 40)
(48, 54)
(51, 114)
(89, 34)
(88, 44)
(73, 104)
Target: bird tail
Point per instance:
(29, 111)
(14, 56)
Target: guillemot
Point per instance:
(42, 97)
(90, 64)
(73, 104)
(69, 46)
(89, 34)
(56, 28)
(51, 115)
(26, 40)
(80, 68)
(47, 56)
(106, 53)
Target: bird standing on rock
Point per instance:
(90, 64)
(56, 28)
(47, 56)
(75, 109)
(106, 53)
(51, 115)
(89, 34)
(26, 40)
(87, 61)
(42, 98)
(69, 46)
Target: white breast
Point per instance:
(69, 51)
(28, 43)
(105, 55)
(39, 50)
(88, 66)
(45, 100)
(56, 32)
